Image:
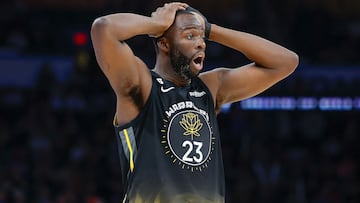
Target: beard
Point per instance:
(181, 64)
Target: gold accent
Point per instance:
(115, 123)
(191, 124)
(130, 150)
(124, 198)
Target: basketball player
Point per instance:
(165, 120)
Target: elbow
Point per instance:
(294, 61)
(99, 24)
(291, 62)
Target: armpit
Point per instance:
(135, 95)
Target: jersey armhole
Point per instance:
(207, 90)
(141, 113)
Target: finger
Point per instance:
(184, 5)
(181, 3)
(177, 4)
(180, 7)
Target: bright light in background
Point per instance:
(298, 103)
(307, 103)
(80, 39)
(226, 108)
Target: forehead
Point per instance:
(188, 20)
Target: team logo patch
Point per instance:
(188, 140)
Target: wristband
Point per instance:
(207, 29)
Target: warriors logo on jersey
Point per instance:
(188, 139)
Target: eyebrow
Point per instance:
(191, 27)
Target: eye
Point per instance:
(189, 36)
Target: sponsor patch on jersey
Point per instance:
(197, 94)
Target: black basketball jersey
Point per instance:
(170, 153)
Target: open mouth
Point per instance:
(198, 60)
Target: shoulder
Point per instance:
(212, 79)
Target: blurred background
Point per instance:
(297, 142)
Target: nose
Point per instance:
(201, 43)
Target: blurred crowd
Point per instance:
(57, 142)
(321, 31)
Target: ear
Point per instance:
(163, 44)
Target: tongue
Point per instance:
(197, 66)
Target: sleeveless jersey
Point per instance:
(170, 153)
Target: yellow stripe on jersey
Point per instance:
(130, 150)
(115, 121)
(124, 198)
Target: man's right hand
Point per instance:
(165, 15)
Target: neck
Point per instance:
(166, 71)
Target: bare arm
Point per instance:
(271, 63)
(114, 56)
(127, 74)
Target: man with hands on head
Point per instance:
(165, 121)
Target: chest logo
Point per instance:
(187, 137)
(191, 124)
(161, 82)
(166, 89)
